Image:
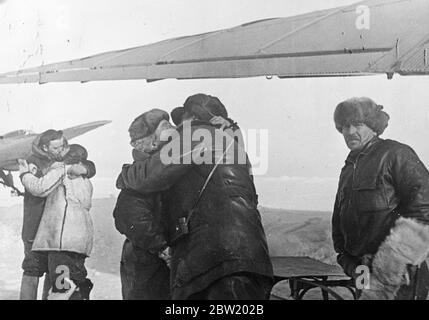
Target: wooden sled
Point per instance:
(304, 274)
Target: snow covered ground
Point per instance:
(296, 233)
(107, 286)
(103, 266)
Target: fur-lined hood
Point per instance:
(39, 153)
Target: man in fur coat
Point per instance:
(145, 275)
(381, 213)
(49, 147)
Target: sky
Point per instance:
(305, 152)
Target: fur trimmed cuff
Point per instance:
(407, 244)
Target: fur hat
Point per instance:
(76, 154)
(176, 115)
(146, 124)
(202, 106)
(361, 110)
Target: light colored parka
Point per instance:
(66, 224)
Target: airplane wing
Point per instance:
(19, 147)
(369, 37)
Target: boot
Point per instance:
(83, 290)
(29, 286)
(46, 287)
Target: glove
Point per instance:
(23, 166)
(218, 120)
(166, 256)
(349, 264)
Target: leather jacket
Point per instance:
(383, 181)
(137, 216)
(226, 235)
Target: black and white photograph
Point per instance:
(229, 150)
